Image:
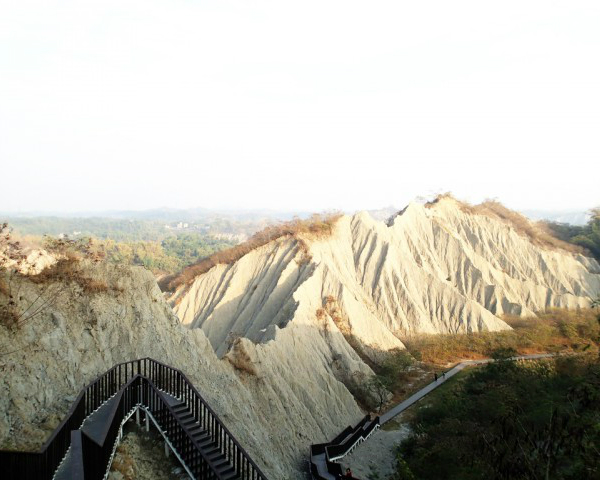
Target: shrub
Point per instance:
(586, 236)
(239, 358)
(568, 329)
(403, 471)
(358, 385)
(503, 354)
(91, 285)
(379, 386)
(510, 420)
(395, 366)
(552, 330)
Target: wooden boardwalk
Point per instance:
(322, 465)
(386, 417)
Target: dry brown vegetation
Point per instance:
(68, 270)
(317, 226)
(240, 359)
(123, 463)
(51, 283)
(537, 232)
(551, 331)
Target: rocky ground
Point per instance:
(141, 456)
(375, 459)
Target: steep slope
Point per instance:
(277, 337)
(305, 304)
(440, 268)
(275, 411)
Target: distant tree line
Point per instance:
(168, 256)
(587, 236)
(128, 230)
(133, 242)
(102, 228)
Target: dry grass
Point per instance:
(537, 232)
(65, 269)
(4, 287)
(552, 331)
(317, 226)
(68, 270)
(413, 381)
(123, 463)
(92, 286)
(239, 358)
(335, 312)
(9, 317)
(51, 283)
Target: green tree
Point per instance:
(379, 386)
(503, 354)
(403, 471)
(507, 420)
(395, 366)
(587, 236)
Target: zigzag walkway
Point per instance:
(83, 445)
(324, 456)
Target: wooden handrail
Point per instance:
(213, 413)
(115, 381)
(326, 454)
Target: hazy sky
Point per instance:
(297, 105)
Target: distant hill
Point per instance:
(147, 225)
(165, 214)
(443, 267)
(573, 217)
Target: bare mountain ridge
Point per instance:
(273, 408)
(444, 267)
(286, 320)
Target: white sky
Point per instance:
(297, 105)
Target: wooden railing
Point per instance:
(137, 383)
(327, 454)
